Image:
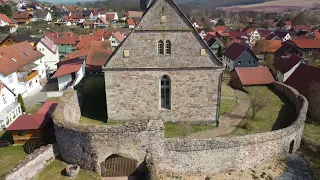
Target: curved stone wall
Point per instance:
(88, 146)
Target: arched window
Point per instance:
(160, 47)
(165, 92)
(168, 47)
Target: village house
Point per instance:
(288, 25)
(309, 45)
(22, 68)
(13, 39)
(302, 29)
(213, 43)
(286, 66)
(22, 17)
(51, 54)
(64, 40)
(112, 16)
(134, 14)
(4, 20)
(70, 72)
(35, 128)
(303, 78)
(115, 39)
(130, 23)
(288, 49)
(198, 25)
(101, 23)
(42, 16)
(163, 71)
(253, 34)
(222, 29)
(238, 55)
(10, 109)
(250, 76)
(279, 35)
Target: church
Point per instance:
(164, 71)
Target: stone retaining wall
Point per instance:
(34, 163)
(89, 146)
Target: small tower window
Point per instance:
(168, 47)
(160, 47)
(165, 92)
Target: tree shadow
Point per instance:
(287, 114)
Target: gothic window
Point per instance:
(168, 47)
(165, 92)
(160, 47)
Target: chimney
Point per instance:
(144, 5)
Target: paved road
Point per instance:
(39, 97)
(297, 169)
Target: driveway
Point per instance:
(39, 97)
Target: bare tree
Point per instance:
(258, 102)
(314, 101)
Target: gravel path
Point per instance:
(228, 122)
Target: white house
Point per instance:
(51, 54)
(10, 110)
(116, 39)
(253, 34)
(4, 20)
(112, 16)
(286, 67)
(70, 73)
(22, 68)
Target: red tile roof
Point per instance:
(131, 22)
(272, 46)
(307, 43)
(99, 53)
(118, 36)
(14, 57)
(48, 107)
(135, 14)
(288, 23)
(298, 28)
(248, 30)
(50, 45)
(254, 75)
(67, 38)
(5, 18)
(303, 77)
(316, 34)
(85, 42)
(286, 64)
(110, 16)
(68, 67)
(98, 34)
(20, 15)
(28, 122)
(78, 53)
(234, 51)
(237, 34)
(104, 21)
(221, 28)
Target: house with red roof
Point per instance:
(51, 54)
(130, 23)
(64, 40)
(4, 20)
(112, 16)
(36, 128)
(70, 73)
(253, 34)
(288, 25)
(10, 109)
(239, 55)
(288, 49)
(22, 17)
(303, 29)
(309, 45)
(116, 38)
(303, 78)
(101, 23)
(22, 68)
(222, 29)
(286, 66)
(250, 76)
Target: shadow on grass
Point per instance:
(287, 114)
(7, 137)
(94, 98)
(311, 153)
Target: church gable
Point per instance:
(142, 48)
(164, 15)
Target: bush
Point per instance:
(20, 100)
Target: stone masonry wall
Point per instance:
(88, 146)
(135, 95)
(34, 163)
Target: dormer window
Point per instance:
(160, 47)
(168, 47)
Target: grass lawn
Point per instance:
(228, 99)
(94, 102)
(10, 155)
(33, 109)
(310, 147)
(88, 121)
(273, 116)
(53, 99)
(56, 171)
(179, 130)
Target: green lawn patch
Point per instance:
(278, 113)
(56, 171)
(10, 155)
(228, 99)
(88, 121)
(33, 109)
(310, 147)
(53, 99)
(182, 129)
